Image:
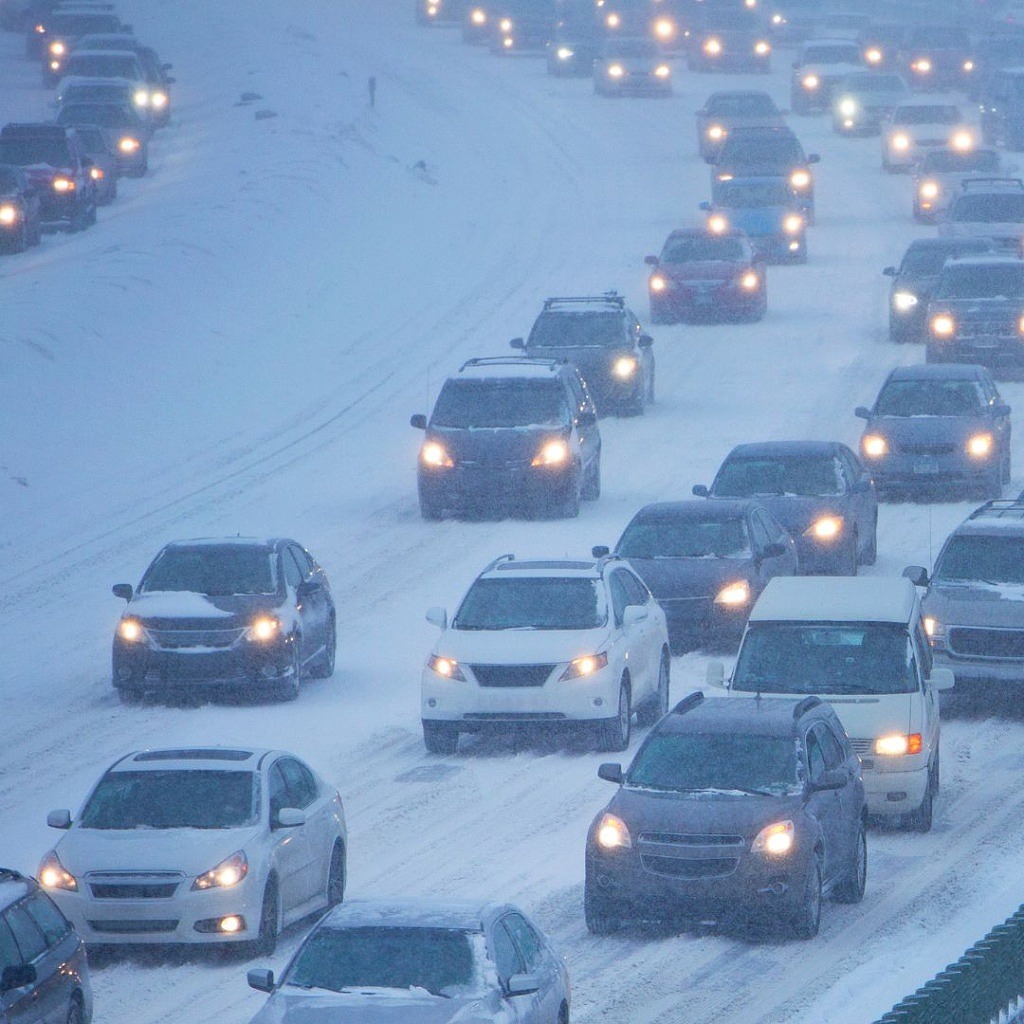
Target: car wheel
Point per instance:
(851, 888)
(22, 242)
(288, 688)
(266, 940)
(570, 506)
(601, 913)
(614, 733)
(90, 216)
(849, 566)
(650, 388)
(870, 555)
(74, 1014)
(440, 737)
(921, 819)
(807, 918)
(336, 876)
(323, 667)
(592, 485)
(129, 694)
(1007, 463)
(430, 511)
(994, 481)
(649, 712)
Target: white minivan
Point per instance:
(858, 643)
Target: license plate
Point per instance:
(925, 466)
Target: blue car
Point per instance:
(817, 490)
(767, 210)
(935, 429)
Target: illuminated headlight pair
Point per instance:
(979, 446)
(8, 214)
(227, 873)
(775, 840)
(579, 668)
(827, 528)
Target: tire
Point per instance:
(851, 888)
(870, 556)
(994, 481)
(74, 1014)
(614, 733)
(599, 912)
(266, 941)
(323, 667)
(336, 876)
(1007, 465)
(129, 694)
(650, 711)
(807, 916)
(850, 568)
(591, 489)
(78, 221)
(440, 737)
(921, 819)
(90, 216)
(430, 512)
(570, 506)
(288, 689)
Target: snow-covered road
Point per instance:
(237, 347)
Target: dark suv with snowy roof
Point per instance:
(740, 810)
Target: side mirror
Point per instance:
(523, 984)
(633, 614)
(942, 679)
(59, 819)
(889, 271)
(586, 419)
(715, 675)
(646, 341)
(260, 979)
(289, 817)
(437, 616)
(517, 343)
(418, 420)
(1001, 410)
(308, 587)
(830, 779)
(813, 158)
(862, 412)
(774, 550)
(610, 771)
(124, 590)
(917, 574)
(704, 205)
(651, 261)
(700, 490)
(17, 976)
(600, 551)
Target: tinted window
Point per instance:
(929, 398)
(831, 749)
(301, 785)
(686, 538)
(702, 249)
(742, 195)
(292, 574)
(50, 920)
(927, 115)
(977, 558)
(106, 115)
(500, 403)
(506, 956)
(769, 150)
(929, 259)
(776, 475)
(748, 105)
(207, 569)
(26, 932)
(9, 181)
(532, 603)
(636, 592)
(96, 66)
(727, 761)
(832, 658)
(815, 757)
(981, 281)
(578, 330)
(10, 955)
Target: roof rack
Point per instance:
(805, 705)
(689, 702)
(511, 361)
(1000, 507)
(509, 557)
(969, 183)
(10, 875)
(612, 298)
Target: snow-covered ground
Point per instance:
(237, 347)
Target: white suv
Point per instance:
(860, 644)
(548, 642)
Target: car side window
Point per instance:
(636, 592)
(526, 940)
(52, 923)
(291, 570)
(10, 955)
(854, 469)
(774, 527)
(923, 648)
(831, 750)
(300, 782)
(815, 757)
(620, 598)
(278, 790)
(759, 532)
(506, 956)
(913, 677)
(842, 472)
(26, 933)
(304, 560)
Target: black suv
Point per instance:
(604, 340)
(741, 809)
(510, 433)
(56, 166)
(244, 613)
(43, 971)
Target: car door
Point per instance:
(536, 961)
(922, 667)
(305, 793)
(313, 603)
(652, 638)
(49, 1001)
(630, 639)
(524, 1009)
(997, 411)
(848, 809)
(823, 804)
(760, 538)
(787, 564)
(861, 496)
(289, 846)
(584, 418)
(19, 1005)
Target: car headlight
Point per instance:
(943, 325)
(718, 224)
(922, 65)
(129, 144)
(899, 141)
(585, 666)
(664, 28)
(552, 453)
(662, 71)
(612, 833)
(724, 176)
(96, 173)
(712, 46)
(264, 628)
(613, 20)
(508, 42)
(928, 189)
(53, 875)
(477, 16)
(140, 98)
(8, 213)
(874, 446)
(847, 107)
(62, 184)
(505, 24)
(826, 528)
(130, 629)
(968, 65)
(624, 367)
(657, 283)
(962, 141)
(716, 132)
(564, 53)
(447, 667)
(1020, 325)
(776, 839)
(904, 301)
(761, 48)
(58, 49)
(158, 100)
(934, 630)
(734, 594)
(898, 743)
(749, 281)
(873, 55)
(810, 82)
(980, 446)
(227, 873)
(800, 179)
(434, 454)
(55, 65)
(615, 71)
(793, 224)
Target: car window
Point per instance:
(10, 955)
(526, 940)
(686, 537)
(635, 589)
(500, 402)
(26, 933)
(760, 532)
(542, 602)
(51, 921)
(506, 957)
(278, 790)
(851, 464)
(923, 649)
(831, 749)
(815, 757)
(303, 559)
(292, 574)
(300, 782)
(620, 596)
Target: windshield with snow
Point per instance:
(927, 114)
(208, 569)
(929, 398)
(743, 105)
(741, 195)
(778, 474)
(464, 404)
(103, 66)
(540, 602)
(26, 151)
(952, 161)
(980, 558)
(981, 281)
(106, 115)
(578, 330)
(686, 538)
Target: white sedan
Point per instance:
(577, 643)
(916, 129)
(199, 845)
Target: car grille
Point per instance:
(925, 449)
(1002, 326)
(512, 675)
(718, 867)
(133, 890)
(931, 142)
(865, 750)
(176, 639)
(970, 642)
(132, 927)
(692, 856)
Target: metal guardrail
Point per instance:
(985, 986)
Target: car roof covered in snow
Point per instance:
(192, 759)
(835, 599)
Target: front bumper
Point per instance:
(720, 303)
(699, 622)
(927, 470)
(820, 558)
(991, 350)
(892, 792)
(491, 490)
(989, 665)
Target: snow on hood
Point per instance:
(520, 646)
(291, 1005)
(181, 604)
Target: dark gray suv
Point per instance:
(44, 976)
(738, 810)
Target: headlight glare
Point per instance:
(734, 594)
(585, 666)
(553, 453)
(928, 189)
(848, 107)
(624, 367)
(716, 132)
(897, 744)
(128, 144)
(718, 224)
(434, 454)
(810, 82)
(227, 873)
(53, 875)
(612, 833)
(657, 283)
(943, 325)
(776, 840)
(825, 528)
(904, 301)
(62, 184)
(899, 141)
(749, 281)
(130, 630)
(712, 46)
(980, 446)
(8, 213)
(874, 446)
(662, 71)
(264, 628)
(615, 71)
(800, 179)
(761, 48)
(447, 667)
(794, 224)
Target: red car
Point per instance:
(705, 275)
